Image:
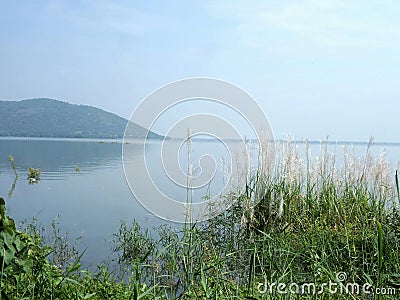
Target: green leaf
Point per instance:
(8, 238)
(9, 256)
(19, 245)
(88, 296)
(147, 292)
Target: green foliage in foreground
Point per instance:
(27, 274)
(309, 229)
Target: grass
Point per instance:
(300, 223)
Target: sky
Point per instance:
(318, 68)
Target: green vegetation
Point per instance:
(26, 272)
(33, 175)
(52, 118)
(314, 224)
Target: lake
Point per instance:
(83, 182)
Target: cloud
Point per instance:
(334, 23)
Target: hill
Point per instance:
(52, 118)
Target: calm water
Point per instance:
(93, 201)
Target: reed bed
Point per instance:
(300, 219)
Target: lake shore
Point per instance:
(315, 223)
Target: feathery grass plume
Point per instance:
(11, 160)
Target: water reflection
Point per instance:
(56, 159)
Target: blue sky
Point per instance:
(318, 67)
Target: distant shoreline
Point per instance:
(120, 140)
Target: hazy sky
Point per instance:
(317, 67)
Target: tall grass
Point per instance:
(313, 220)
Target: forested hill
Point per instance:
(52, 118)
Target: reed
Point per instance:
(12, 162)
